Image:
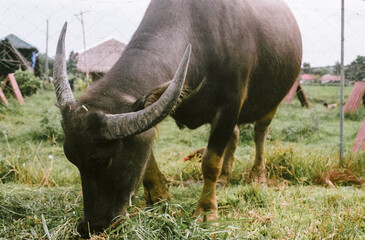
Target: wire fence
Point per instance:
(91, 22)
(319, 21)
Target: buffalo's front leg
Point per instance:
(154, 185)
(221, 132)
(258, 171)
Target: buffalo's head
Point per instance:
(110, 150)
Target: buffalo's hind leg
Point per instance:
(228, 158)
(155, 189)
(258, 171)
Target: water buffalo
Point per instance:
(244, 57)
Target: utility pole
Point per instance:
(342, 81)
(46, 67)
(81, 19)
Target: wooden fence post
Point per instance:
(360, 139)
(298, 90)
(354, 100)
(3, 98)
(10, 78)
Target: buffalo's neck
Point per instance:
(150, 59)
(140, 70)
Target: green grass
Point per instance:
(37, 180)
(246, 212)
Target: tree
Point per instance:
(337, 68)
(72, 71)
(42, 63)
(306, 68)
(356, 70)
(71, 63)
(319, 71)
(314, 70)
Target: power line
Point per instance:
(81, 19)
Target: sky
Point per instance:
(319, 22)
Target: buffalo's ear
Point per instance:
(151, 97)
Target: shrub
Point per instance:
(255, 195)
(79, 85)
(27, 82)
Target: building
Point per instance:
(100, 59)
(17, 54)
(328, 78)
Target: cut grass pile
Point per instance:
(246, 212)
(40, 192)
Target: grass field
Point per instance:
(40, 192)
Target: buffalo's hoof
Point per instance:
(223, 181)
(206, 217)
(86, 229)
(156, 194)
(206, 211)
(258, 175)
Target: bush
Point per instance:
(27, 82)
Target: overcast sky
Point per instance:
(319, 21)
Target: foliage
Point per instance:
(337, 68)
(31, 143)
(42, 63)
(27, 82)
(246, 133)
(167, 221)
(79, 84)
(307, 69)
(356, 70)
(73, 73)
(290, 165)
(40, 191)
(355, 116)
(33, 212)
(70, 64)
(320, 71)
(246, 212)
(50, 128)
(298, 132)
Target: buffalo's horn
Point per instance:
(60, 82)
(127, 124)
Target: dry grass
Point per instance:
(40, 195)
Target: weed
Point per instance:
(302, 144)
(356, 116)
(31, 211)
(50, 128)
(27, 82)
(167, 221)
(246, 133)
(255, 196)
